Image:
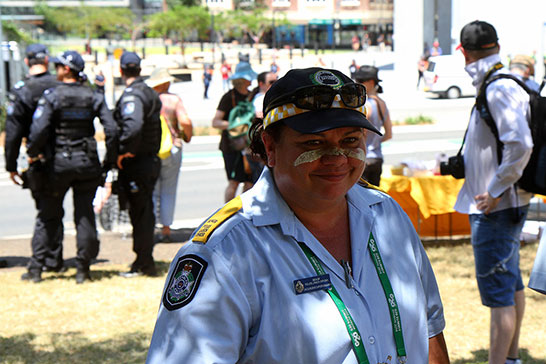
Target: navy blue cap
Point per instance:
(72, 59)
(315, 121)
(36, 51)
(129, 60)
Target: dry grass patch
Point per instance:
(111, 319)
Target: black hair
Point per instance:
(130, 71)
(35, 61)
(255, 134)
(261, 77)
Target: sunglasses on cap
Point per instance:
(321, 97)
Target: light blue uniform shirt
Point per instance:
(245, 309)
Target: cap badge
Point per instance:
(326, 78)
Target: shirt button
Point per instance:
(371, 340)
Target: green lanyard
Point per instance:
(354, 334)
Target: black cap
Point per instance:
(314, 121)
(36, 51)
(478, 35)
(366, 73)
(129, 60)
(72, 59)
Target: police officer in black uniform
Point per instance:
(137, 114)
(22, 101)
(64, 119)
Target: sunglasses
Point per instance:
(321, 97)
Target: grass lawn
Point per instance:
(110, 320)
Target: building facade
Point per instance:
(323, 23)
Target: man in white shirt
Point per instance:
(496, 209)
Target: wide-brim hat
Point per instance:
(158, 77)
(366, 73)
(244, 70)
(524, 60)
(308, 121)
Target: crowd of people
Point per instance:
(304, 264)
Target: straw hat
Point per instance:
(158, 77)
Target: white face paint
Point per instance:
(313, 155)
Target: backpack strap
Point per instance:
(483, 108)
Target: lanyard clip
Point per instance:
(402, 359)
(347, 269)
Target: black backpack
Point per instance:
(533, 178)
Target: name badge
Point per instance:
(311, 284)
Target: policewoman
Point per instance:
(22, 101)
(64, 118)
(137, 113)
(308, 266)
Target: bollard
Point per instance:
(96, 56)
(166, 49)
(259, 56)
(143, 52)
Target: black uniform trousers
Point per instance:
(137, 179)
(78, 172)
(50, 249)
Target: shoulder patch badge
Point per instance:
(184, 281)
(128, 108)
(38, 112)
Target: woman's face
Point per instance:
(319, 167)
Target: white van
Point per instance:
(445, 76)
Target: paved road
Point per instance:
(202, 179)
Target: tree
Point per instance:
(252, 22)
(11, 32)
(180, 23)
(86, 21)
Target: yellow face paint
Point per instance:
(313, 155)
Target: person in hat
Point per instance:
(239, 168)
(305, 267)
(138, 115)
(524, 67)
(378, 114)
(22, 101)
(181, 129)
(496, 209)
(64, 118)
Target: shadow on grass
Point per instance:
(162, 268)
(72, 347)
(177, 236)
(480, 357)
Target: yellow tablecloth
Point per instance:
(428, 201)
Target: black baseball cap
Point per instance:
(129, 60)
(478, 35)
(36, 51)
(72, 59)
(309, 121)
(366, 73)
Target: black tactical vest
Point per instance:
(151, 129)
(74, 114)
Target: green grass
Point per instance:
(416, 120)
(111, 319)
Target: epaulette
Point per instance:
(362, 182)
(217, 219)
(19, 84)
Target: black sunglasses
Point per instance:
(321, 97)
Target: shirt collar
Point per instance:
(265, 205)
(478, 69)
